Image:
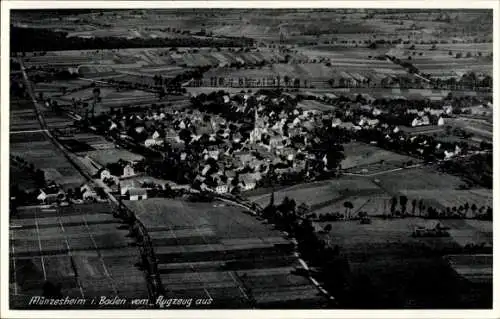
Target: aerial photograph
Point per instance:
(251, 159)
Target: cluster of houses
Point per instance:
(233, 157)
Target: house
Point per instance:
(51, 195)
(152, 141)
(128, 171)
(376, 111)
(372, 122)
(247, 182)
(213, 154)
(113, 126)
(221, 189)
(139, 129)
(85, 188)
(136, 194)
(89, 195)
(205, 170)
(156, 135)
(448, 109)
(448, 155)
(103, 174)
(420, 121)
(276, 141)
(440, 122)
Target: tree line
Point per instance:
(33, 39)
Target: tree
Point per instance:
(185, 135)
(394, 202)
(458, 55)
(303, 209)
(466, 208)
(403, 200)
(348, 206)
(328, 228)
(96, 92)
(450, 53)
(473, 209)
(413, 206)
(286, 79)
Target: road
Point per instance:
(151, 273)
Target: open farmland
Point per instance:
(79, 248)
(398, 266)
(360, 156)
(418, 178)
(206, 251)
(36, 149)
(324, 193)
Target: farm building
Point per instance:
(50, 195)
(136, 194)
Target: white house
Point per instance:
(152, 141)
(139, 129)
(440, 121)
(156, 135)
(221, 189)
(182, 125)
(205, 170)
(213, 154)
(128, 171)
(85, 188)
(50, 195)
(376, 112)
(89, 194)
(104, 173)
(448, 155)
(136, 194)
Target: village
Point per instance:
(288, 166)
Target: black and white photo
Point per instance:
(250, 158)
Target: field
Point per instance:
(315, 105)
(398, 270)
(223, 253)
(361, 156)
(34, 148)
(418, 178)
(107, 156)
(79, 248)
(324, 193)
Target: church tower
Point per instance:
(256, 133)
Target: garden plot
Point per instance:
(205, 251)
(71, 251)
